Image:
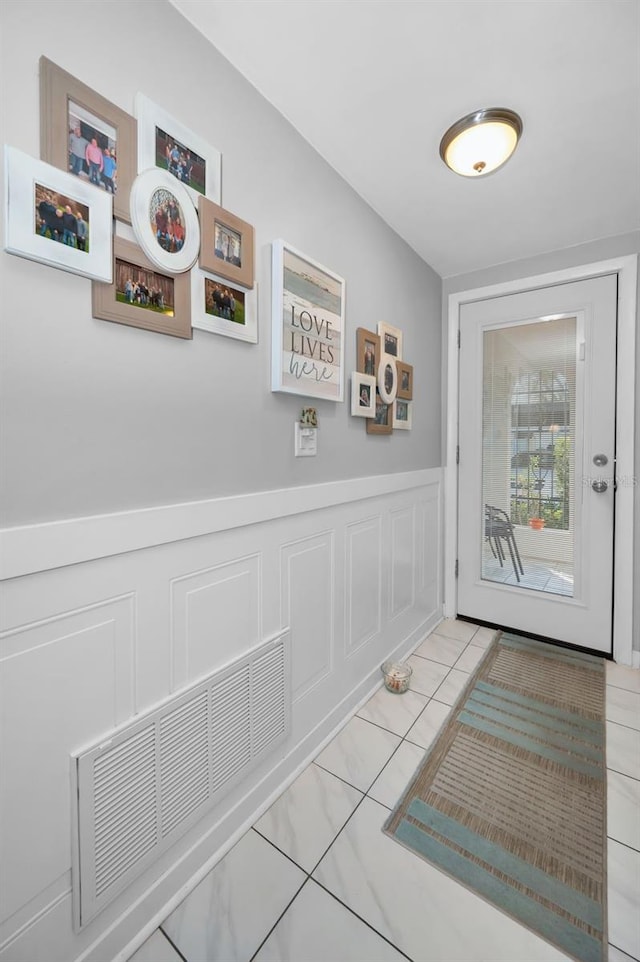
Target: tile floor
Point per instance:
(315, 880)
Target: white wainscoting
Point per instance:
(101, 621)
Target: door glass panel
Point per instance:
(528, 452)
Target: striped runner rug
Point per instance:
(511, 798)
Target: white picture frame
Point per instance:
(153, 122)
(28, 184)
(390, 340)
(363, 395)
(388, 378)
(402, 414)
(307, 326)
(226, 322)
(156, 194)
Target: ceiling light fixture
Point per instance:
(481, 141)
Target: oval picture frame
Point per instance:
(154, 195)
(387, 362)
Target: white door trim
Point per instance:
(626, 267)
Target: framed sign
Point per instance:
(307, 326)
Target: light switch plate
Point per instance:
(306, 441)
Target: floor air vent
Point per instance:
(141, 787)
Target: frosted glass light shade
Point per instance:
(481, 142)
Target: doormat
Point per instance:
(511, 799)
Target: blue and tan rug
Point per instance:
(511, 798)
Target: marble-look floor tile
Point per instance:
(396, 775)
(624, 898)
(230, 912)
(429, 724)
(623, 809)
(359, 752)
(440, 648)
(308, 815)
(615, 955)
(452, 686)
(483, 637)
(157, 948)
(620, 676)
(396, 713)
(427, 675)
(623, 707)
(623, 750)
(416, 907)
(452, 628)
(470, 658)
(317, 928)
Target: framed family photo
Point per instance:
(368, 352)
(87, 136)
(381, 423)
(219, 307)
(387, 378)
(226, 247)
(405, 380)
(363, 395)
(166, 144)
(164, 221)
(307, 326)
(53, 217)
(140, 296)
(390, 340)
(402, 414)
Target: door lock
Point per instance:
(599, 486)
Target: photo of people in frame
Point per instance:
(60, 218)
(167, 220)
(402, 410)
(144, 288)
(365, 395)
(390, 344)
(222, 300)
(405, 381)
(369, 357)
(92, 148)
(382, 411)
(183, 163)
(228, 244)
(388, 378)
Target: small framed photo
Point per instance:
(164, 221)
(390, 340)
(54, 218)
(402, 414)
(387, 378)
(220, 307)
(227, 244)
(368, 352)
(363, 395)
(381, 422)
(166, 144)
(83, 133)
(307, 337)
(141, 296)
(405, 380)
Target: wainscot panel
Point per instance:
(90, 640)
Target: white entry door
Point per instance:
(537, 461)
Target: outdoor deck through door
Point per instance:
(536, 433)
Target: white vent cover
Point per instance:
(142, 786)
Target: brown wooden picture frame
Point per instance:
(405, 380)
(106, 305)
(367, 352)
(216, 222)
(373, 425)
(57, 88)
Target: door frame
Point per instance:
(626, 267)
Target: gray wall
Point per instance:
(97, 417)
(553, 261)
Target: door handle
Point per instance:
(599, 486)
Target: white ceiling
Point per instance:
(373, 85)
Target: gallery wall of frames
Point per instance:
(191, 264)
